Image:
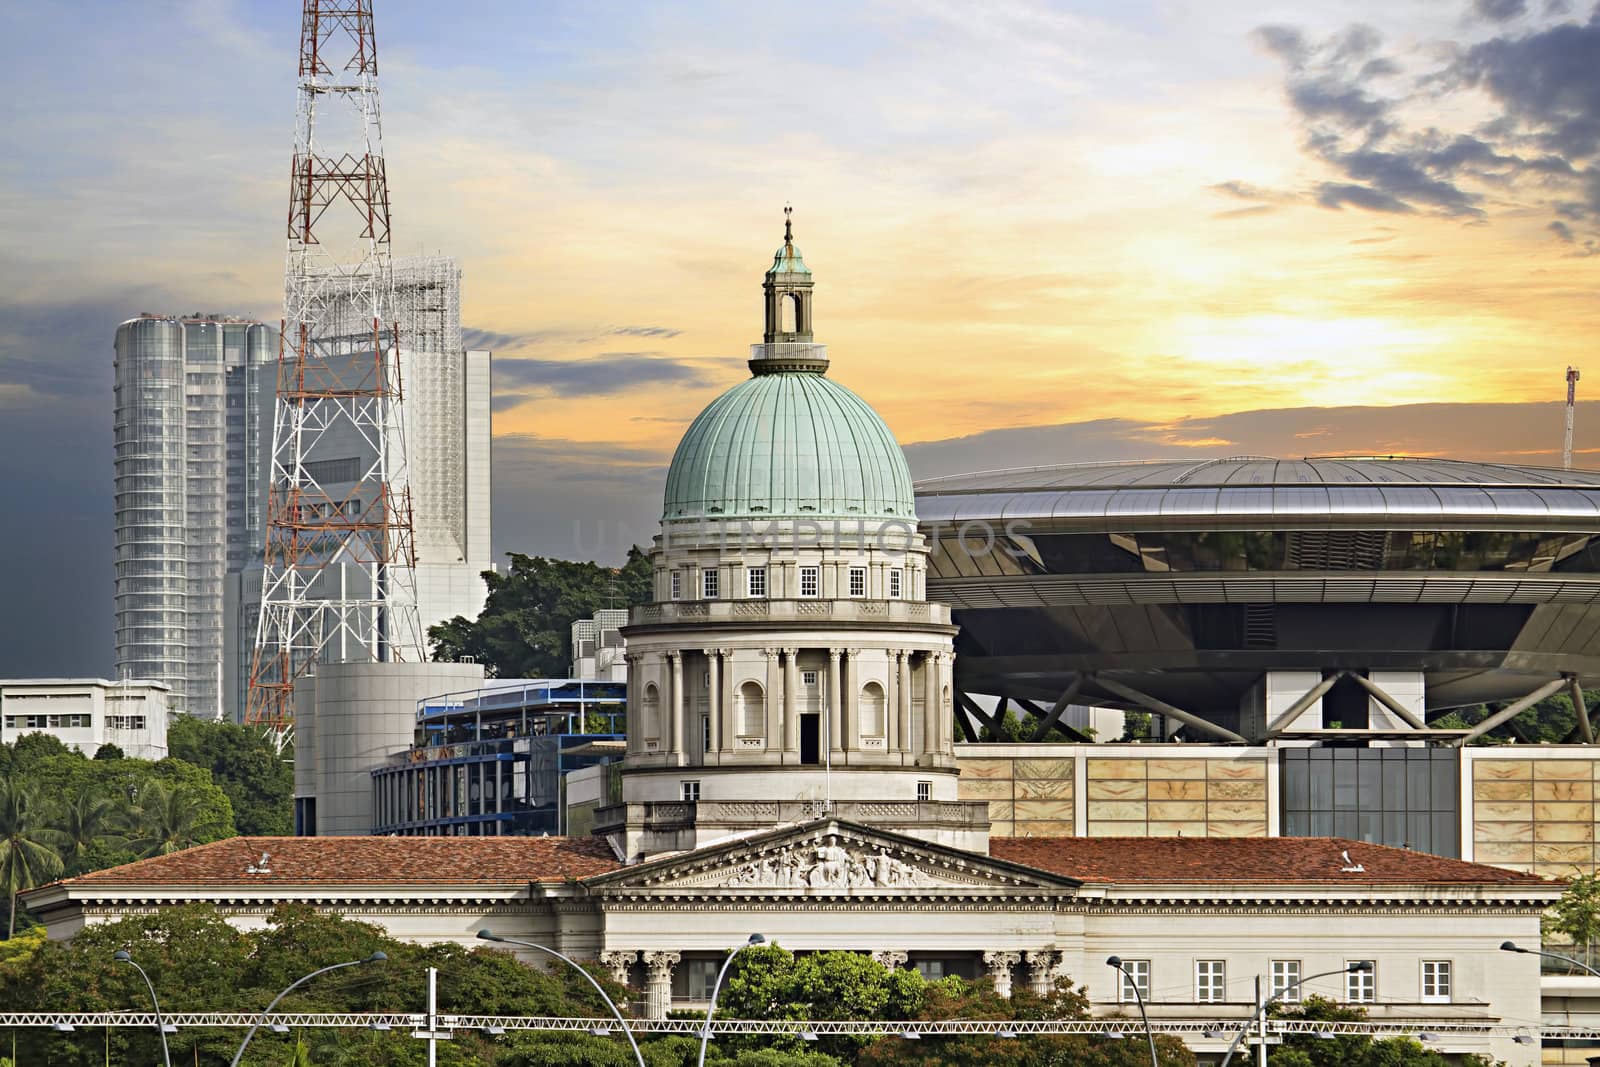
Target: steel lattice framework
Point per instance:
(339, 581)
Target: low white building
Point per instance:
(86, 713)
(598, 651)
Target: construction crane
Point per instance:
(1572, 395)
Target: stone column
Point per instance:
(713, 694)
(892, 958)
(1000, 964)
(835, 701)
(635, 739)
(791, 690)
(658, 983)
(930, 703)
(618, 962)
(729, 730)
(902, 661)
(1041, 969)
(774, 696)
(852, 699)
(675, 741)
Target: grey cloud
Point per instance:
(1548, 82)
(472, 337)
(646, 331)
(612, 372)
(1500, 10)
(1246, 191)
(1337, 194)
(1562, 231)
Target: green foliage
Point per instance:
(1353, 1050)
(1576, 915)
(1551, 721)
(109, 751)
(26, 858)
(258, 783)
(525, 628)
(1135, 726)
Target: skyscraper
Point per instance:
(188, 444)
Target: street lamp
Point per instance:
(1359, 967)
(1116, 961)
(279, 1028)
(121, 956)
(1512, 946)
(626, 1029)
(705, 1033)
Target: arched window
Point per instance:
(872, 706)
(652, 711)
(789, 313)
(752, 710)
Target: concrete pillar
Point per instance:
(932, 720)
(1000, 964)
(729, 730)
(774, 724)
(835, 701)
(902, 660)
(852, 699)
(635, 737)
(658, 983)
(1041, 969)
(675, 742)
(892, 958)
(713, 692)
(618, 962)
(791, 688)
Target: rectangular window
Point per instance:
(894, 583)
(1286, 981)
(676, 582)
(1209, 982)
(810, 581)
(708, 584)
(699, 978)
(757, 584)
(1436, 981)
(1361, 987)
(924, 790)
(858, 581)
(690, 790)
(808, 677)
(1135, 974)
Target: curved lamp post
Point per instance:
(122, 956)
(626, 1029)
(1116, 961)
(1512, 946)
(1360, 967)
(705, 1032)
(376, 957)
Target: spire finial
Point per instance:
(788, 232)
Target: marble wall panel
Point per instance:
(1536, 814)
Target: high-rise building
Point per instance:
(187, 441)
(447, 431)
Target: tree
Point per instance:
(171, 817)
(245, 765)
(525, 628)
(109, 751)
(1551, 721)
(1577, 914)
(26, 858)
(1352, 1050)
(81, 823)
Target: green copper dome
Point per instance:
(789, 444)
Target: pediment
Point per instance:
(830, 857)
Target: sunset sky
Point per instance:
(1019, 214)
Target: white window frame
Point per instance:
(756, 583)
(1284, 984)
(925, 790)
(1361, 987)
(808, 677)
(689, 790)
(710, 583)
(675, 586)
(857, 579)
(810, 581)
(1210, 981)
(1438, 977)
(1140, 977)
(896, 583)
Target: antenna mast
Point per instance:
(1572, 395)
(339, 581)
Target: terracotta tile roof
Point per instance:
(397, 861)
(1246, 861)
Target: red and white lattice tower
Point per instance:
(339, 582)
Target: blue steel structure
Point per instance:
(492, 761)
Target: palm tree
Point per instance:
(25, 859)
(169, 818)
(80, 823)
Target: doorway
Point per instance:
(810, 740)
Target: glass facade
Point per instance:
(185, 492)
(1405, 797)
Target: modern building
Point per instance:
(598, 647)
(447, 430)
(188, 436)
(87, 713)
(494, 760)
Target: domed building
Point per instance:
(790, 665)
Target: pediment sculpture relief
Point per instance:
(827, 865)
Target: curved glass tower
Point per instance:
(188, 478)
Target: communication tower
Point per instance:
(1572, 396)
(339, 582)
